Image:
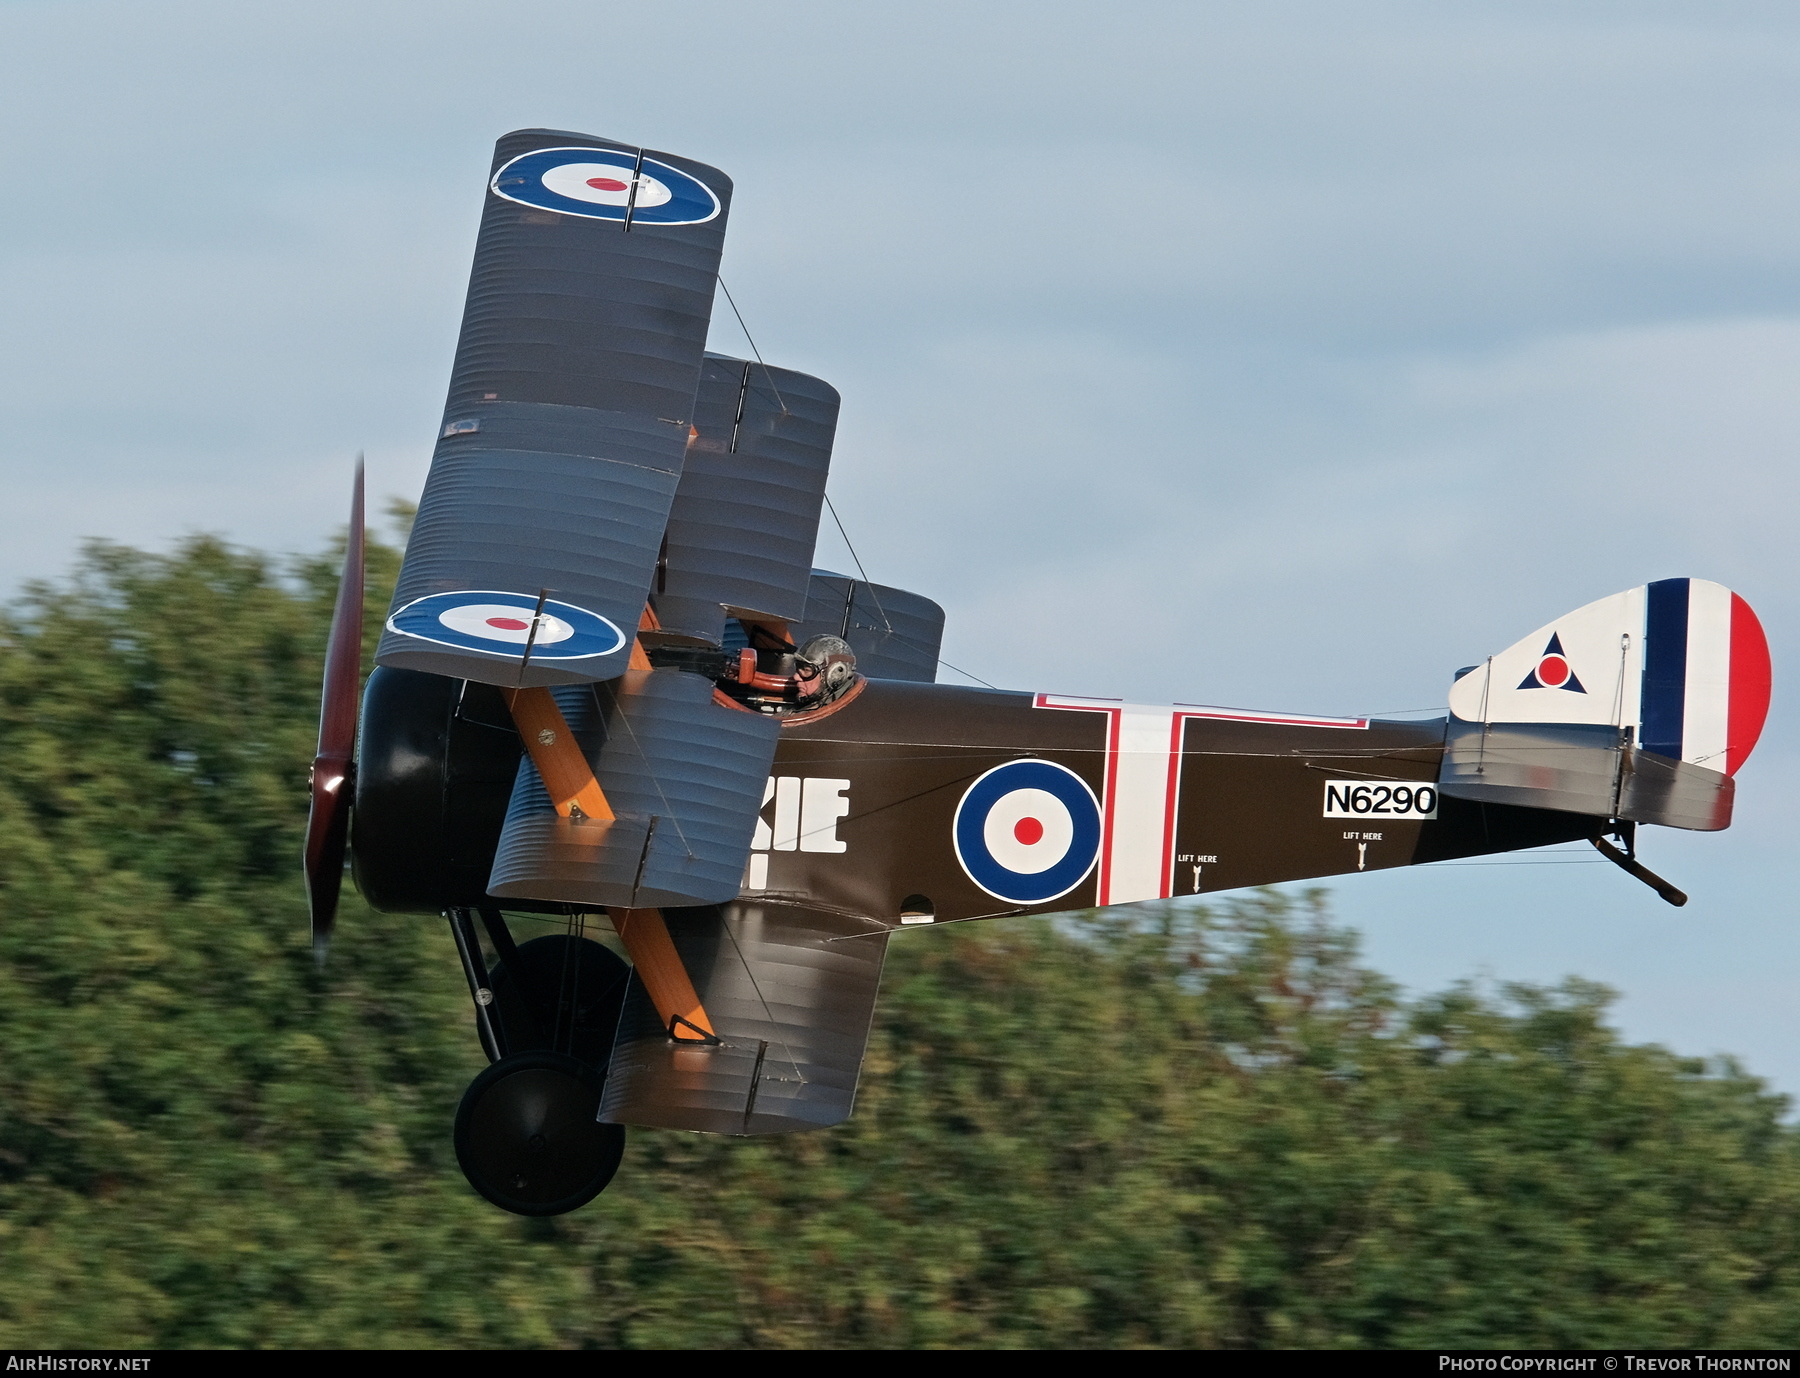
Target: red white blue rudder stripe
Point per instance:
(1707, 676)
(1682, 662)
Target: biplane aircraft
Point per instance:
(613, 690)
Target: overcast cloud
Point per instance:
(1288, 355)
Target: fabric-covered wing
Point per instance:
(746, 514)
(790, 992)
(569, 412)
(895, 634)
(685, 776)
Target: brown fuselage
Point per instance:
(860, 814)
(1192, 800)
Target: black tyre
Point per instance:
(526, 1137)
(525, 1001)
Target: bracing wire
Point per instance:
(965, 674)
(752, 342)
(868, 583)
(756, 986)
(687, 847)
(918, 644)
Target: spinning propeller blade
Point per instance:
(333, 768)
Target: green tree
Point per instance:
(1188, 1126)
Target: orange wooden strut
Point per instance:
(576, 793)
(554, 750)
(648, 622)
(658, 964)
(557, 755)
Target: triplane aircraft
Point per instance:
(613, 689)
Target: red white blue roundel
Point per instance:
(597, 183)
(485, 620)
(1027, 831)
(1553, 670)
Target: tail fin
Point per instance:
(1682, 662)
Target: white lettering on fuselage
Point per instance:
(799, 814)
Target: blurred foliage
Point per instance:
(1191, 1127)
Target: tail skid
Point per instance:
(1628, 863)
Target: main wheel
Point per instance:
(527, 1007)
(526, 1137)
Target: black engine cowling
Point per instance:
(435, 769)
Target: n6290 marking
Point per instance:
(1376, 799)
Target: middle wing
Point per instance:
(745, 518)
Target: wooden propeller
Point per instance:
(334, 768)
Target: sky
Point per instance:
(1287, 355)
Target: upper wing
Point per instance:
(569, 413)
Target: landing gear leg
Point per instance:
(527, 1137)
(481, 988)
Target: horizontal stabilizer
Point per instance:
(684, 776)
(569, 413)
(790, 993)
(1580, 768)
(1681, 663)
(895, 634)
(746, 514)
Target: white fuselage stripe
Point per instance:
(1143, 764)
(1139, 792)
